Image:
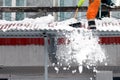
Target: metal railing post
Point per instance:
(46, 57)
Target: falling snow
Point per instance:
(83, 49)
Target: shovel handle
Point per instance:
(76, 13)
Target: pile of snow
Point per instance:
(41, 23)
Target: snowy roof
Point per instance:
(108, 24)
(47, 24)
(35, 27)
(105, 24)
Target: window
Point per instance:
(7, 16)
(14, 15)
(20, 15)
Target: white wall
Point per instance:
(41, 77)
(113, 54)
(32, 55)
(22, 55)
(104, 75)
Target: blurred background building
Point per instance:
(44, 3)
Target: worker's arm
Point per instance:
(80, 3)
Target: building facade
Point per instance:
(39, 3)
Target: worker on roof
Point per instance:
(91, 12)
(93, 9)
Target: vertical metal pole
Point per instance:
(46, 57)
(100, 10)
